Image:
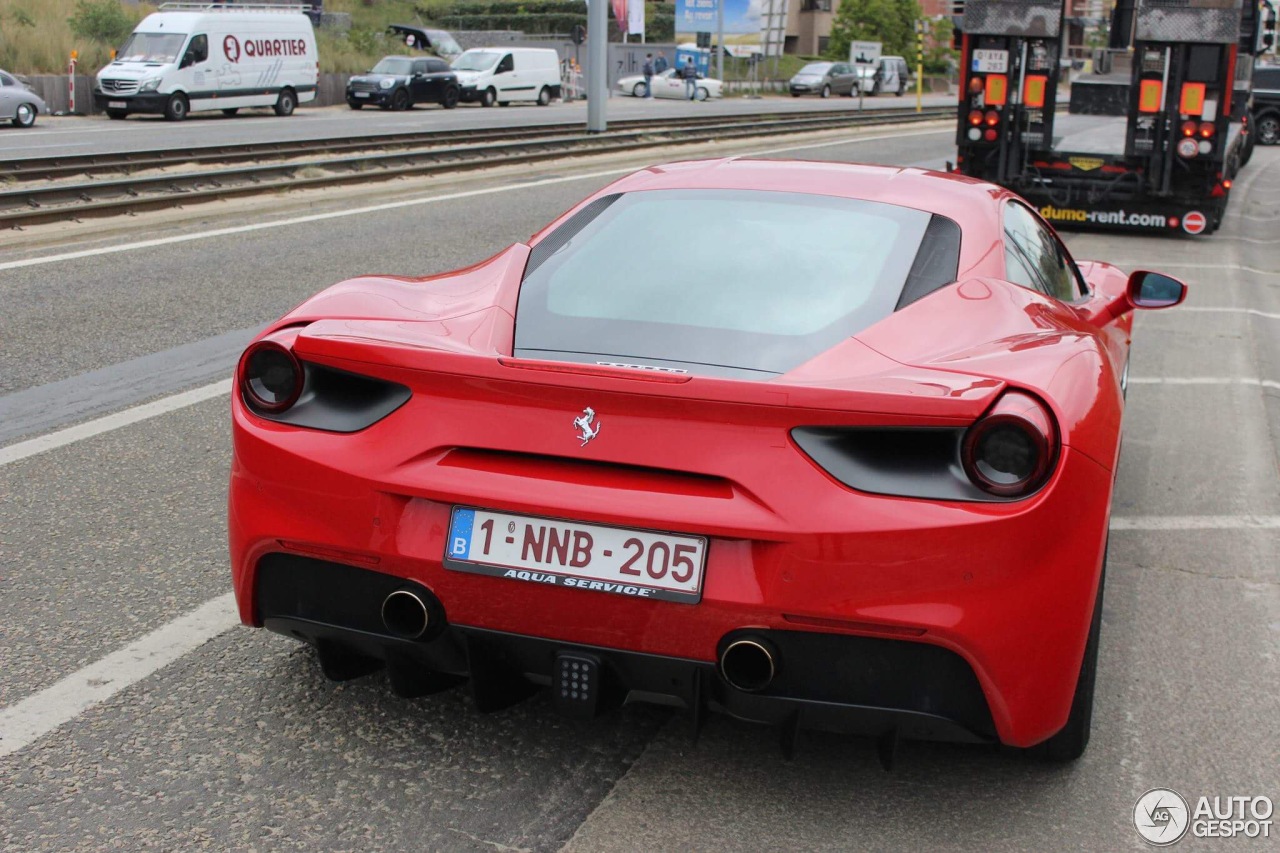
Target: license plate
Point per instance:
(595, 557)
(117, 105)
(362, 94)
(991, 61)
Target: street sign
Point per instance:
(864, 52)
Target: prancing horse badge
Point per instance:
(583, 422)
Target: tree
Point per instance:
(103, 21)
(891, 22)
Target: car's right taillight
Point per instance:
(270, 377)
(1012, 449)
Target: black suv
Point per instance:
(399, 82)
(1266, 104)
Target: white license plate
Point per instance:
(638, 563)
(991, 61)
(362, 94)
(118, 105)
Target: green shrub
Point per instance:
(103, 21)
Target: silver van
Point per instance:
(889, 74)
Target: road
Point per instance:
(134, 714)
(83, 135)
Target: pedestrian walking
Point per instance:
(690, 75)
(660, 64)
(647, 70)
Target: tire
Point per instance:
(450, 98)
(544, 97)
(701, 94)
(355, 105)
(231, 111)
(638, 90)
(400, 100)
(826, 92)
(177, 107)
(286, 103)
(795, 94)
(1070, 743)
(117, 115)
(24, 116)
(504, 103)
(1268, 129)
(488, 97)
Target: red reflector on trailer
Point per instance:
(1033, 90)
(1150, 93)
(1192, 99)
(1173, 222)
(997, 90)
(989, 135)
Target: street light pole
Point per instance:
(720, 40)
(597, 64)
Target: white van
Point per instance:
(501, 75)
(197, 56)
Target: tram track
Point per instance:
(40, 190)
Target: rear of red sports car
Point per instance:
(725, 437)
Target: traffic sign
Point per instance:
(865, 52)
(1194, 222)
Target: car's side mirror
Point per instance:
(1154, 290)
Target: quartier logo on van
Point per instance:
(254, 48)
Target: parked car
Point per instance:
(824, 79)
(498, 75)
(843, 460)
(18, 102)
(669, 84)
(212, 58)
(1266, 104)
(889, 74)
(400, 82)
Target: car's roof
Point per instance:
(947, 194)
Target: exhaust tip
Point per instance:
(749, 665)
(404, 614)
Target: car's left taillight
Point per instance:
(1012, 449)
(271, 378)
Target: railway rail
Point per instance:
(71, 187)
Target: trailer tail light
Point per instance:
(993, 118)
(989, 135)
(975, 117)
(1207, 129)
(997, 92)
(1033, 90)
(1189, 128)
(975, 85)
(1226, 184)
(1150, 94)
(1192, 103)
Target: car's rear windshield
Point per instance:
(393, 65)
(726, 280)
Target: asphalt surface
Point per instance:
(241, 743)
(54, 135)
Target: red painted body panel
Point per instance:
(1008, 586)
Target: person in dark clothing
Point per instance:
(690, 75)
(660, 64)
(647, 70)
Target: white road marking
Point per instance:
(1204, 380)
(1197, 522)
(1186, 266)
(1183, 309)
(113, 421)
(395, 205)
(42, 712)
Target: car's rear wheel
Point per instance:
(450, 98)
(286, 103)
(488, 97)
(701, 94)
(1070, 743)
(544, 97)
(24, 116)
(1268, 129)
(400, 100)
(230, 111)
(826, 91)
(176, 108)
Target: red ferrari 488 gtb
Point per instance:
(837, 454)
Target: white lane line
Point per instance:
(1204, 380)
(115, 420)
(1197, 522)
(1185, 266)
(41, 713)
(38, 714)
(395, 205)
(1183, 309)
